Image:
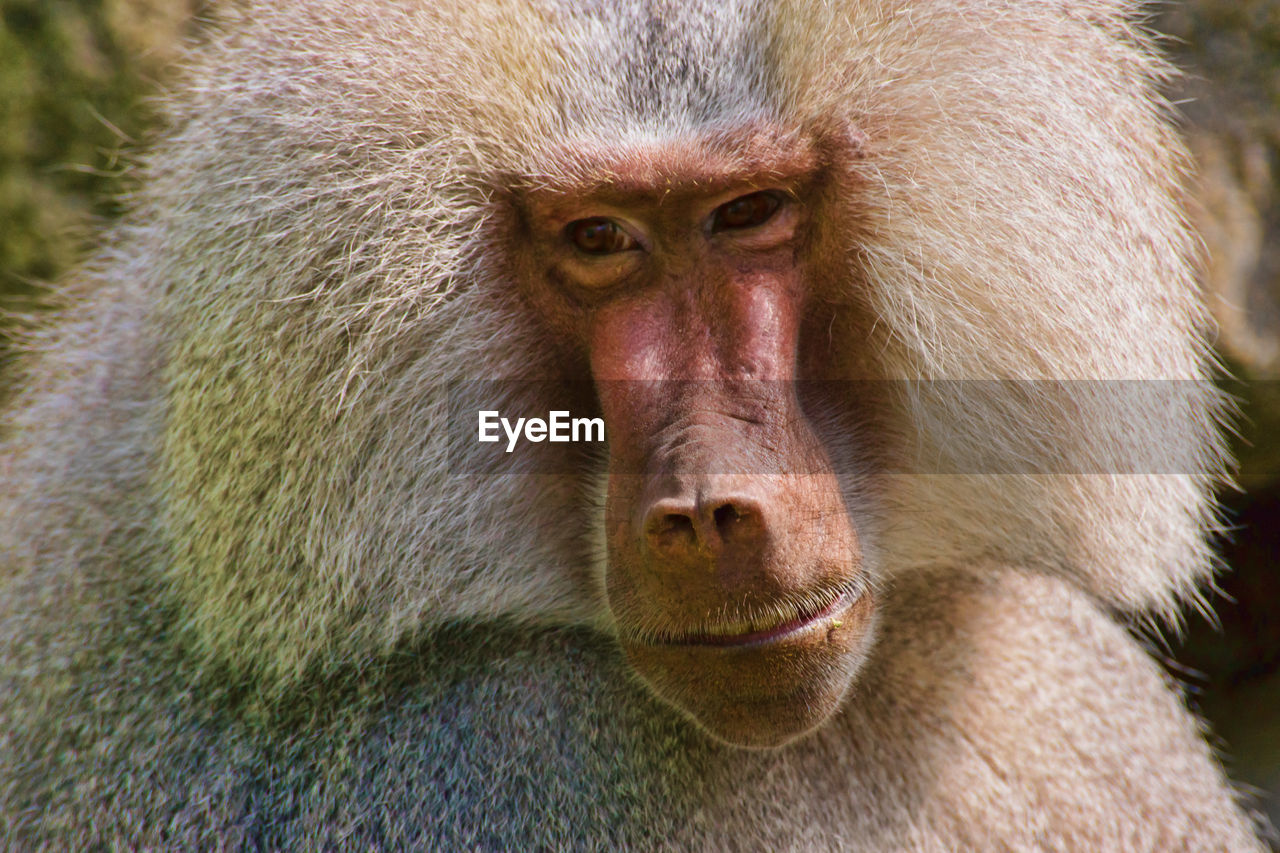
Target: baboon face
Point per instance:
(686, 283)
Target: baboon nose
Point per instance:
(676, 528)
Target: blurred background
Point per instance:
(76, 82)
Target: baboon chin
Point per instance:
(882, 318)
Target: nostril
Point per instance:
(671, 533)
(680, 529)
(726, 516)
(739, 523)
(675, 524)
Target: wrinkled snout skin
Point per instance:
(735, 573)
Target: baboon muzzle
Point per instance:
(734, 570)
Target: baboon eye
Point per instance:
(746, 212)
(599, 236)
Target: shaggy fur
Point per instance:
(252, 596)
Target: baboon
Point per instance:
(888, 310)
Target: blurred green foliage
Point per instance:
(69, 97)
(75, 81)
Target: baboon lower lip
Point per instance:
(802, 622)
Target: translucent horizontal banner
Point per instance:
(977, 427)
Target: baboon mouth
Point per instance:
(744, 634)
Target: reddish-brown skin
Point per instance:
(734, 573)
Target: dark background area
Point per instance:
(1230, 97)
(76, 82)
